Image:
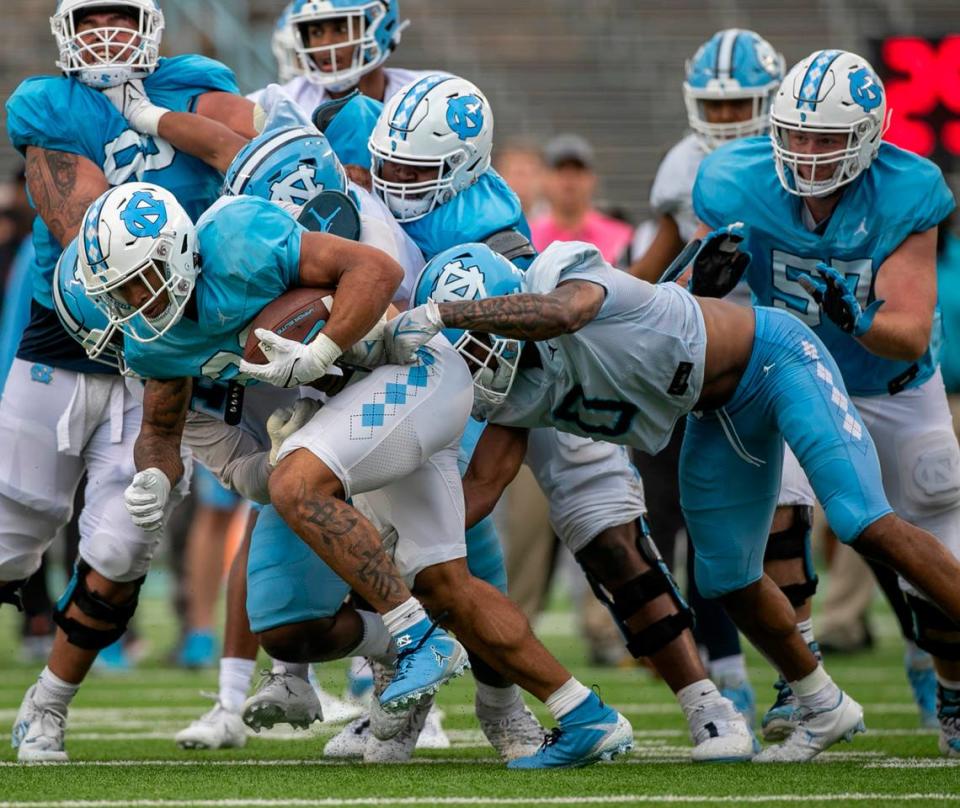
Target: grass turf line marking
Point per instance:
(620, 799)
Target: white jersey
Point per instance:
(628, 375)
(672, 191)
(309, 95)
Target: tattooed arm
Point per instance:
(525, 316)
(62, 186)
(165, 405)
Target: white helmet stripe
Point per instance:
(725, 53)
(253, 161)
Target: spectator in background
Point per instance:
(521, 165)
(571, 184)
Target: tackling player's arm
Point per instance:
(62, 186)
(907, 281)
(496, 460)
(231, 110)
(165, 405)
(201, 137)
(565, 310)
(666, 245)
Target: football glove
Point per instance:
(283, 422)
(131, 99)
(404, 335)
(837, 300)
(291, 363)
(146, 498)
(718, 265)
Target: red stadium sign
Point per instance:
(922, 77)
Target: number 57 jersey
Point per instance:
(900, 194)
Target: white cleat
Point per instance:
(38, 733)
(399, 748)
(335, 710)
(282, 698)
(351, 741)
(720, 734)
(218, 728)
(817, 730)
(516, 735)
(432, 735)
(385, 725)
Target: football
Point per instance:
(298, 314)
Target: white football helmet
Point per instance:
(830, 92)
(138, 231)
(441, 122)
(373, 31)
(284, 46)
(88, 55)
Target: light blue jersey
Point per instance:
(900, 194)
(250, 255)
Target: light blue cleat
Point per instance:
(779, 721)
(590, 733)
(198, 651)
(948, 713)
(743, 700)
(428, 658)
(923, 683)
(113, 659)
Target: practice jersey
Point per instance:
(249, 255)
(625, 377)
(900, 194)
(62, 114)
(672, 191)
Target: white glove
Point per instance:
(133, 103)
(291, 363)
(369, 352)
(283, 422)
(146, 498)
(403, 336)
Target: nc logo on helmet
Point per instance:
(465, 116)
(457, 282)
(297, 187)
(865, 90)
(144, 216)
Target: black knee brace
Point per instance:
(933, 631)
(794, 542)
(95, 607)
(10, 593)
(629, 598)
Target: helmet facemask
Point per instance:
(714, 135)
(109, 55)
(493, 363)
(409, 201)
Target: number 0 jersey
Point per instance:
(625, 377)
(900, 194)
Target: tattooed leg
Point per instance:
(309, 497)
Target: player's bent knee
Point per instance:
(310, 641)
(445, 588)
(935, 633)
(112, 612)
(931, 478)
(297, 475)
(629, 601)
(793, 544)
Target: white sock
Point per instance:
(404, 616)
(498, 700)
(816, 690)
(805, 627)
(53, 692)
(946, 684)
(730, 671)
(692, 696)
(570, 696)
(376, 641)
(235, 676)
(299, 669)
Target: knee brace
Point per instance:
(933, 631)
(10, 593)
(626, 600)
(96, 608)
(794, 542)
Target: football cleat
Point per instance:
(400, 748)
(816, 730)
(384, 725)
(218, 728)
(742, 697)
(589, 733)
(433, 736)
(923, 683)
(359, 681)
(38, 732)
(350, 741)
(720, 733)
(779, 722)
(518, 734)
(198, 651)
(428, 658)
(948, 715)
(334, 710)
(282, 698)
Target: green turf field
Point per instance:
(121, 729)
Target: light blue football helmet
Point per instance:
(289, 166)
(475, 272)
(732, 65)
(80, 316)
(372, 28)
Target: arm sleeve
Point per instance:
(233, 456)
